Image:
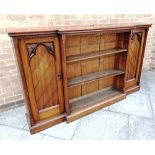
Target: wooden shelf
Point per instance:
(92, 98)
(94, 55)
(93, 76)
(84, 105)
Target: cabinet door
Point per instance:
(42, 71)
(134, 58)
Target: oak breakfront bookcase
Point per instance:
(70, 72)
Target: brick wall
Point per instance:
(10, 87)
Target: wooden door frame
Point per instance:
(54, 110)
(133, 82)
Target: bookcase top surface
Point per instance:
(71, 29)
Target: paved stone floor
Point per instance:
(132, 118)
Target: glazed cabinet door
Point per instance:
(134, 58)
(42, 71)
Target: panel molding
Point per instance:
(32, 48)
(139, 35)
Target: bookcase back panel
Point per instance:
(74, 70)
(120, 61)
(75, 45)
(107, 63)
(90, 87)
(106, 82)
(90, 43)
(90, 66)
(72, 45)
(74, 92)
(108, 41)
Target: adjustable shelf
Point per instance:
(93, 76)
(86, 56)
(86, 104)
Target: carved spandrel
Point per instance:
(33, 47)
(139, 35)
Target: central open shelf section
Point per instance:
(95, 71)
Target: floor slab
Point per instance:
(148, 83)
(62, 130)
(141, 128)
(152, 99)
(136, 104)
(14, 117)
(50, 138)
(9, 133)
(102, 125)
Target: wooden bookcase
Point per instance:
(69, 72)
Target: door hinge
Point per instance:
(60, 75)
